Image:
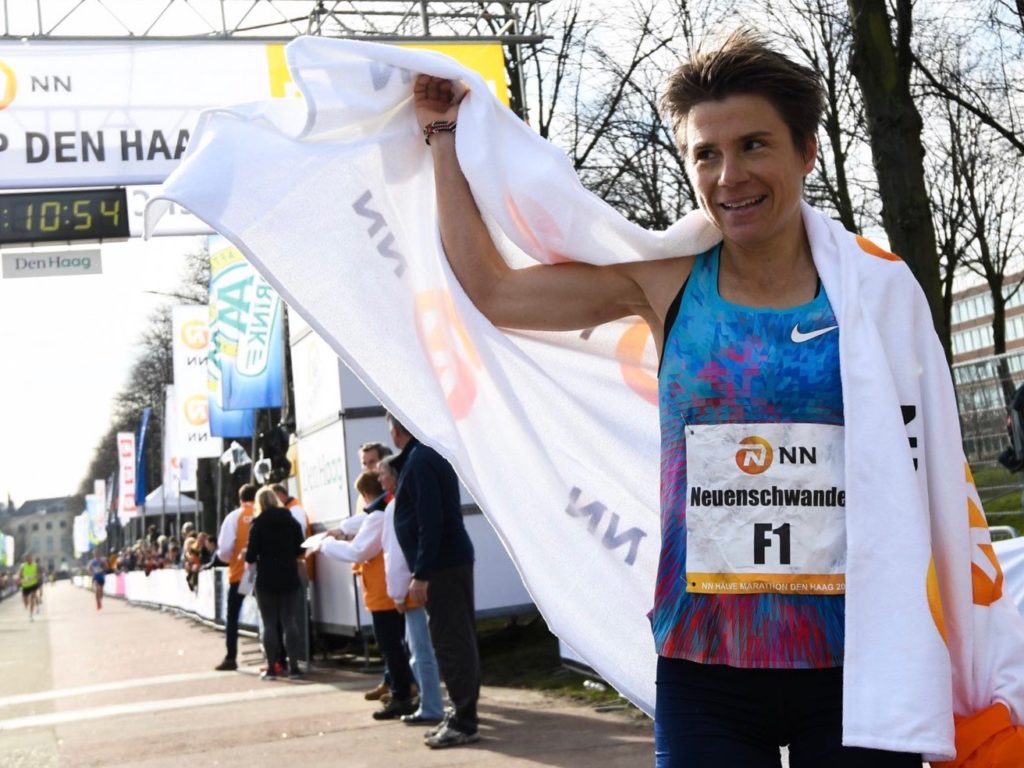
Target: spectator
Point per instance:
(432, 535)
(417, 630)
(206, 547)
(275, 544)
(388, 622)
(370, 455)
(191, 563)
(234, 535)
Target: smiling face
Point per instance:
(747, 172)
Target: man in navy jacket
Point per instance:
(433, 538)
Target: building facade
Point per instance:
(45, 528)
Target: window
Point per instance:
(49, 543)
(35, 526)
(63, 523)
(49, 525)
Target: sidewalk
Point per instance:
(131, 686)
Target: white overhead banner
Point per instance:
(179, 473)
(126, 508)
(191, 334)
(98, 113)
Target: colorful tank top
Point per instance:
(725, 364)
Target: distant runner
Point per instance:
(98, 570)
(28, 577)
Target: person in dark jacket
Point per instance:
(433, 538)
(275, 545)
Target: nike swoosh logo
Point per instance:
(799, 337)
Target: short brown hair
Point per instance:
(368, 484)
(381, 449)
(746, 64)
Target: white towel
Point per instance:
(556, 434)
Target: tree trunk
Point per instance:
(883, 68)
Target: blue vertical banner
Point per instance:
(140, 458)
(231, 423)
(246, 358)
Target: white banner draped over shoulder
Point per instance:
(555, 434)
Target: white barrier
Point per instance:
(167, 588)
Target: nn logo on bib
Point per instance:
(756, 455)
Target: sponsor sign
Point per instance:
(80, 532)
(96, 518)
(85, 113)
(179, 472)
(126, 508)
(79, 113)
(766, 509)
(191, 339)
(246, 364)
(65, 262)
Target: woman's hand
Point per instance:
(435, 98)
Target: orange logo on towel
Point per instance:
(755, 455)
(630, 353)
(538, 228)
(197, 410)
(8, 85)
(868, 247)
(452, 354)
(195, 334)
(986, 573)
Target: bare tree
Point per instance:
(882, 63)
(149, 375)
(820, 31)
(944, 174)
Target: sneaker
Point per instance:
(431, 732)
(450, 736)
(294, 674)
(376, 693)
(268, 675)
(418, 718)
(228, 665)
(395, 709)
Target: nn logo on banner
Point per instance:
(191, 436)
(247, 345)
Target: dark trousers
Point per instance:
(231, 620)
(389, 630)
(296, 651)
(711, 716)
(452, 611)
(280, 608)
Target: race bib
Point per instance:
(766, 509)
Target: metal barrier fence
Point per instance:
(984, 388)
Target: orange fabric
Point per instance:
(375, 587)
(987, 739)
(868, 247)
(237, 565)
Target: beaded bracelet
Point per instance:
(438, 126)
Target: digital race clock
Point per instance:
(80, 214)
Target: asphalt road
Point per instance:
(130, 686)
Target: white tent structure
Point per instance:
(171, 500)
(159, 504)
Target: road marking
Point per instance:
(119, 685)
(273, 691)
